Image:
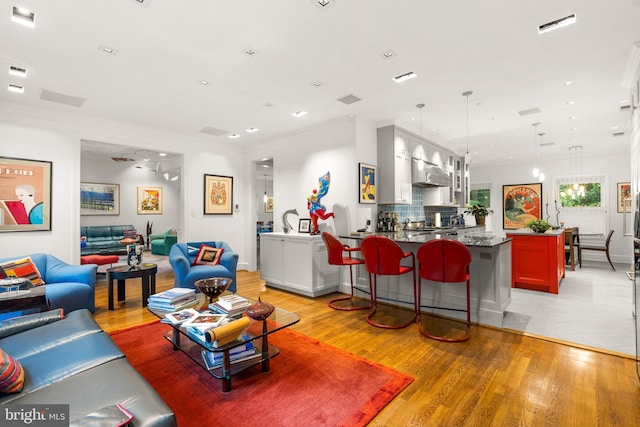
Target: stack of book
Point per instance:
(242, 353)
(172, 299)
(231, 305)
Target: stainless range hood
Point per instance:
(425, 174)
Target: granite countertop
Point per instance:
(412, 236)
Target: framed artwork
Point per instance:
(304, 225)
(521, 203)
(268, 206)
(218, 195)
(25, 194)
(149, 200)
(624, 197)
(99, 199)
(367, 185)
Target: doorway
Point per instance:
(264, 201)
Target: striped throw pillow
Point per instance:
(25, 268)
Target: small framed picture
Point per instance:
(304, 226)
(624, 197)
(218, 195)
(149, 200)
(268, 206)
(367, 186)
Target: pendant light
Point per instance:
(420, 107)
(467, 156)
(264, 198)
(541, 174)
(535, 171)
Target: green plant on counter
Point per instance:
(478, 210)
(538, 225)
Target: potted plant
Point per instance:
(479, 211)
(538, 225)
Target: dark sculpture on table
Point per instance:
(317, 209)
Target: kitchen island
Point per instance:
(490, 272)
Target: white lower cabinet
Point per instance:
(297, 263)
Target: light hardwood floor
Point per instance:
(497, 378)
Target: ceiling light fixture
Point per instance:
(16, 89)
(299, 113)
(403, 77)
(388, 54)
(162, 154)
(17, 71)
(323, 4)
(107, 49)
(420, 107)
(558, 23)
(204, 82)
(576, 189)
(22, 16)
(264, 197)
(234, 136)
(249, 51)
(467, 156)
(252, 130)
(317, 83)
(535, 171)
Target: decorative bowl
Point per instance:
(260, 310)
(213, 287)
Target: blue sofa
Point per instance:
(103, 239)
(181, 258)
(70, 287)
(68, 359)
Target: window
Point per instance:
(583, 205)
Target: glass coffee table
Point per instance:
(257, 333)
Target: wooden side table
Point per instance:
(146, 271)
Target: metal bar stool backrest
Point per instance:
(444, 261)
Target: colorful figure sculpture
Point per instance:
(317, 209)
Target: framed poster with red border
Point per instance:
(521, 203)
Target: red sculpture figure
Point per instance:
(317, 209)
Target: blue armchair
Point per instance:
(70, 287)
(181, 258)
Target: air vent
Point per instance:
(529, 112)
(122, 159)
(213, 131)
(558, 23)
(618, 133)
(60, 98)
(349, 99)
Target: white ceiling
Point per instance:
(165, 48)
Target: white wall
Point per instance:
(129, 178)
(614, 165)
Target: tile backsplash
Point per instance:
(417, 212)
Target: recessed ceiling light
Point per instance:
(107, 49)
(614, 127)
(571, 102)
(316, 83)
(16, 89)
(144, 3)
(162, 154)
(249, 51)
(323, 4)
(204, 82)
(299, 113)
(388, 54)
(252, 130)
(558, 23)
(572, 118)
(405, 76)
(22, 16)
(573, 129)
(268, 104)
(17, 71)
(568, 83)
(234, 136)
(623, 101)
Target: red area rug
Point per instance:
(310, 383)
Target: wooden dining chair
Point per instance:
(601, 248)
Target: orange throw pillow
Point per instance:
(24, 268)
(208, 255)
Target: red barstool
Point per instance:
(335, 250)
(382, 256)
(444, 261)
